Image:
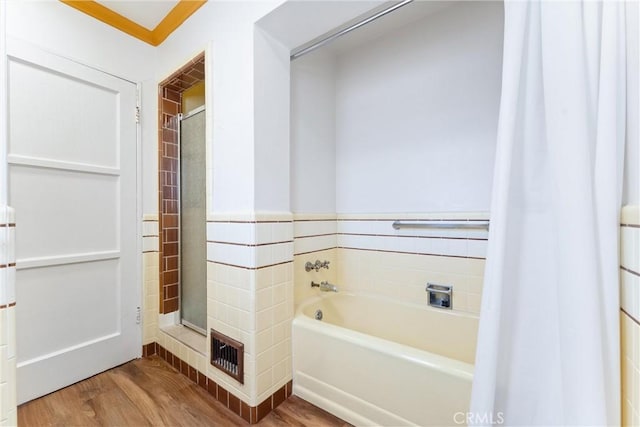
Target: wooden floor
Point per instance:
(148, 392)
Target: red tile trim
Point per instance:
(252, 245)
(408, 219)
(411, 237)
(313, 252)
(251, 414)
(11, 304)
(410, 253)
(637, 321)
(284, 221)
(315, 235)
(628, 270)
(250, 268)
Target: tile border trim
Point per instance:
(249, 245)
(251, 414)
(628, 270)
(250, 268)
(633, 319)
(408, 253)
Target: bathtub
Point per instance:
(376, 361)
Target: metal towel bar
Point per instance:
(460, 224)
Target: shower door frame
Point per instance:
(182, 321)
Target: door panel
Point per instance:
(67, 97)
(73, 182)
(50, 198)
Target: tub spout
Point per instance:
(325, 286)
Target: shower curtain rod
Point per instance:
(328, 38)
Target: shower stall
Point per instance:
(192, 239)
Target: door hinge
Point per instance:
(138, 316)
(137, 114)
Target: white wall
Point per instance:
(631, 194)
(271, 124)
(226, 31)
(417, 114)
(313, 148)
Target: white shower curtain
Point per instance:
(548, 344)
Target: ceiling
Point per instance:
(148, 13)
(151, 21)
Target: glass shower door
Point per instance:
(193, 245)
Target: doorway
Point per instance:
(182, 196)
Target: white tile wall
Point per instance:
(150, 278)
(368, 254)
(377, 233)
(630, 315)
(8, 408)
(151, 302)
(250, 244)
(630, 293)
(250, 297)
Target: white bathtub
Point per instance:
(376, 361)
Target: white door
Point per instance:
(72, 180)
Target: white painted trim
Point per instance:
(50, 261)
(38, 162)
(139, 220)
(66, 349)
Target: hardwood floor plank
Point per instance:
(149, 392)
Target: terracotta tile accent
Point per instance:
(193, 374)
(169, 102)
(245, 411)
(149, 349)
(279, 396)
(212, 388)
(171, 291)
(264, 408)
(251, 414)
(223, 396)
(176, 363)
(171, 305)
(202, 380)
(234, 404)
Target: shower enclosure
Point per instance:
(193, 266)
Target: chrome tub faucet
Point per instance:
(325, 286)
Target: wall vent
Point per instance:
(227, 355)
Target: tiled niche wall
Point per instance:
(170, 105)
(630, 314)
(369, 255)
(250, 298)
(151, 278)
(8, 410)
